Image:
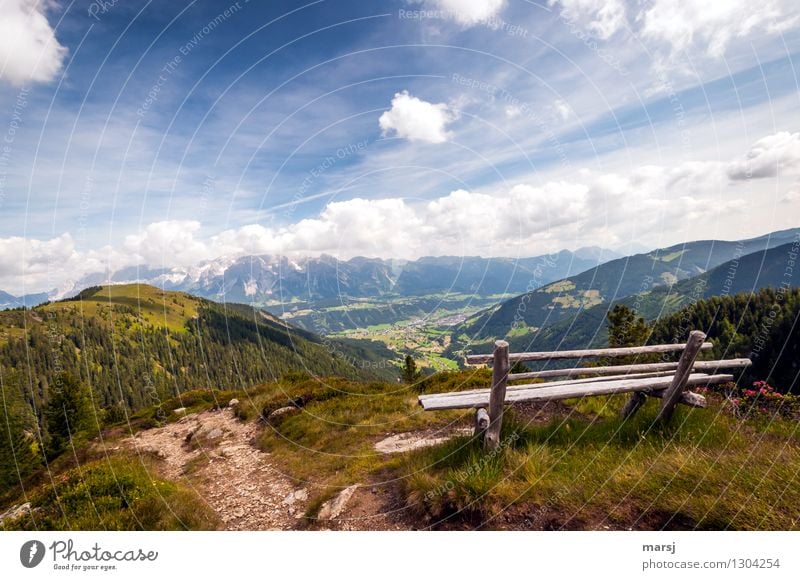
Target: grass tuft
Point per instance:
(118, 493)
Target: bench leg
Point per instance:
(634, 403)
(497, 396)
(481, 422)
(674, 392)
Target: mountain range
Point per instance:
(272, 280)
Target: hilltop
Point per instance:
(136, 344)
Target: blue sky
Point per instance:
(175, 132)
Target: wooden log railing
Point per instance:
(709, 365)
(667, 381)
(477, 359)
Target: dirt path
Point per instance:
(213, 452)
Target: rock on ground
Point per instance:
(15, 511)
(333, 507)
(403, 442)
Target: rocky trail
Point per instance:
(213, 452)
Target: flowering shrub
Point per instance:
(763, 399)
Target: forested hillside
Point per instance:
(655, 272)
(136, 344)
(586, 326)
(764, 326)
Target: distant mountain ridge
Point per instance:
(614, 281)
(271, 280)
(9, 301)
(752, 272)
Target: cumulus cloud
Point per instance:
(768, 157)
(29, 50)
(167, 243)
(519, 220)
(30, 265)
(416, 120)
(346, 228)
(468, 12)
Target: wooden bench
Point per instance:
(668, 381)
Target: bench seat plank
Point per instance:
(555, 392)
(542, 385)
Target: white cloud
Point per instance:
(167, 243)
(19, 256)
(712, 25)
(562, 109)
(768, 157)
(29, 50)
(793, 195)
(513, 111)
(28, 265)
(347, 228)
(417, 120)
(603, 18)
(655, 205)
(468, 12)
(702, 25)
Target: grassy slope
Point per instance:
(570, 466)
(125, 312)
(582, 468)
(706, 470)
(114, 493)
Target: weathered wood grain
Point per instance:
(497, 394)
(551, 384)
(556, 393)
(706, 365)
(679, 381)
(476, 359)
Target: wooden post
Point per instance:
(497, 396)
(481, 422)
(634, 403)
(673, 393)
